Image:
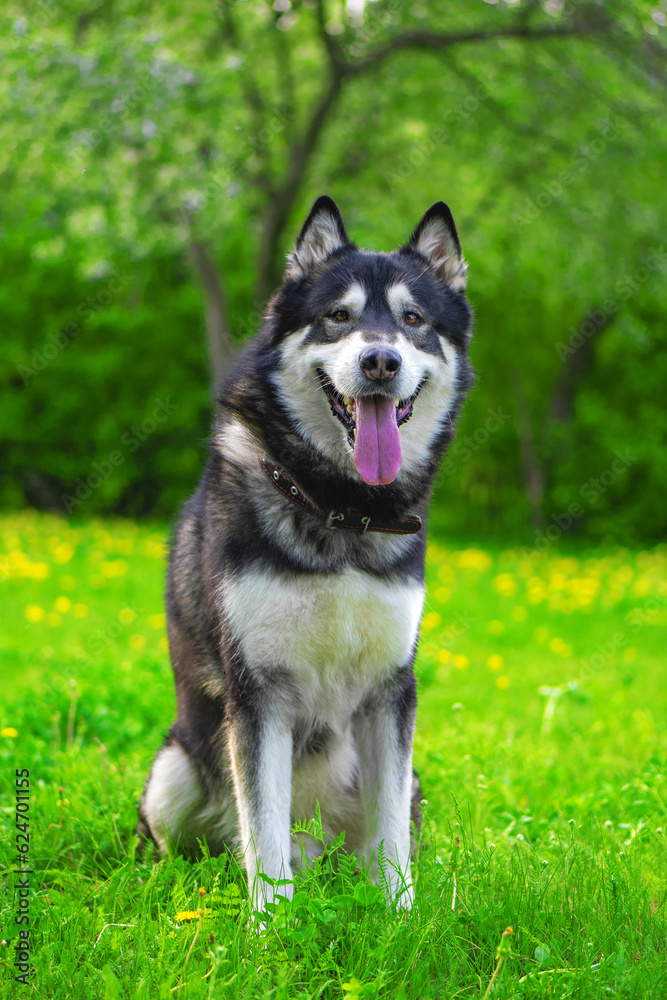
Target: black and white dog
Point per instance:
(296, 579)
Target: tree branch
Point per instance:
(428, 41)
(498, 111)
(288, 190)
(340, 70)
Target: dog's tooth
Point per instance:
(350, 409)
(347, 400)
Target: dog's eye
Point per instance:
(340, 316)
(412, 319)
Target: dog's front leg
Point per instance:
(260, 745)
(383, 732)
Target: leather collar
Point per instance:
(355, 521)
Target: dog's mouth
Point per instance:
(372, 424)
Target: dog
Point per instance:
(296, 578)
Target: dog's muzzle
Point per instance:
(372, 421)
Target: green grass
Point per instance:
(541, 747)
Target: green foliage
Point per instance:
(541, 749)
(129, 132)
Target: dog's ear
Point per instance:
(323, 232)
(436, 239)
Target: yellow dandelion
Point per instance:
(496, 627)
(474, 559)
(156, 621)
(444, 656)
(62, 604)
(503, 682)
(519, 613)
(126, 615)
(34, 613)
(431, 620)
(505, 584)
(625, 573)
(35, 571)
(137, 641)
(561, 648)
(114, 567)
(163, 643)
(495, 662)
(461, 662)
(194, 914)
(80, 610)
(9, 731)
(156, 549)
(53, 620)
(63, 553)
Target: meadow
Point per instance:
(541, 747)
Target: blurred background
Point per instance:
(158, 160)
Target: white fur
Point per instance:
(300, 392)
(237, 445)
(319, 241)
(354, 299)
(435, 243)
(431, 407)
(264, 810)
(399, 299)
(338, 634)
(176, 808)
(387, 775)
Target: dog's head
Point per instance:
(373, 346)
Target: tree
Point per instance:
(201, 135)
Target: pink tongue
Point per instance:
(377, 446)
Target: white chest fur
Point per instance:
(336, 634)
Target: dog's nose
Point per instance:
(380, 364)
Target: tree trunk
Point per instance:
(576, 365)
(220, 349)
(533, 474)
